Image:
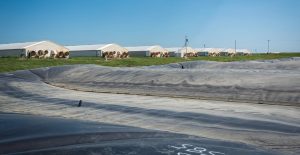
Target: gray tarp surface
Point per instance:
(269, 81)
(275, 127)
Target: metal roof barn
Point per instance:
(41, 49)
(97, 50)
(182, 51)
(222, 51)
(152, 51)
(233, 52)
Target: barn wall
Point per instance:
(179, 54)
(175, 54)
(223, 53)
(139, 53)
(239, 53)
(202, 53)
(172, 54)
(12, 53)
(91, 53)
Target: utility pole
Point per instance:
(269, 46)
(203, 45)
(235, 46)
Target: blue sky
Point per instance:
(216, 23)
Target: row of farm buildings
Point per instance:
(49, 49)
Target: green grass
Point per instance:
(12, 64)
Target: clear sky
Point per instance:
(216, 23)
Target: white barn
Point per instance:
(182, 52)
(222, 52)
(41, 49)
(148, 51)
(98, 50)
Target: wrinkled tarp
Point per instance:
(265, 81)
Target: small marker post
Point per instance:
(80, 102)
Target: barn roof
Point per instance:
(179, 49)
(18, 45)
(211, 50)
(243, 50)
(87, 47)
(203, 49)
(229, 50)
(141, 48)
(173, 49)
